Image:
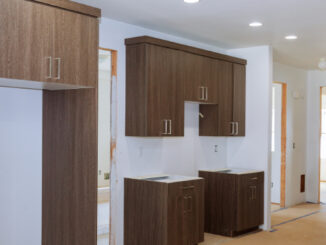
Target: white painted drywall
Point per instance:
(20, 166)
(316, 79)
(276, 143)
(296, 80)
(253, 151)
(145, 156)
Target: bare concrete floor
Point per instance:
(304, 224)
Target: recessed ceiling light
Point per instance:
(191, 1)
(255, 24)
(291, 37)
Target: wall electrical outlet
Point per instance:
(215, 148)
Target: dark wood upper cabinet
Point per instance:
(154, 92)
(234, 202)
(199, 78)
(229, 116)
(49, 41)
(161, 76)
(162, 213)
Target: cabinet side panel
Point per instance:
(239, 100)
(136, 87)
(145, 212)
(70, 167)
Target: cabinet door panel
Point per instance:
(210, 79)
(26, 42)
(239, 98)
(76, 49)
(165, 92)
(250, 205)
(225, 97)
(192, 76)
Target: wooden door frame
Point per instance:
(320, 131)
(283, 142)
(113, 124)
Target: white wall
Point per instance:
(20, 166)
(316, 79)
(276, 144)
(142, 156)
(296, 80)
(253, 151)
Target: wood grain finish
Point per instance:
(72, 6)
(34, 39)
(154, 92)
(163, 214)
(69, 167)
(181, 47)
(231, 109)
(233, 203)
(76, 45)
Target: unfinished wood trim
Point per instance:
(283, 142)
(72, 6)
(320, 131)
(185, 48)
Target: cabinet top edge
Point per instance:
(72, 6)
(182, 47)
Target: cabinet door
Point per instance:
(193, 212)
(239, 98)
(210, 80)
(76, 49)
(192, 66)
(250, 201)
(26, 40)
(225, 97)
(165, 88)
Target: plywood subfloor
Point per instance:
(290, 228)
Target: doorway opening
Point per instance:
(106, 76)
(278, 145)
(322, 158)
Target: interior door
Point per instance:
(167, 91)
(76, 49)
(27, 41)
(239, 98)
(225, 97)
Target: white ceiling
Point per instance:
(224, 23)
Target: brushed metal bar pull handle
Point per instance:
(237, 128)
(202, 93)
(254, 178)
(59, 68)
(232, 130)
(188, 187)
(50, 67)
(190, 204)
(170, 127)
(165, 126)
(206, 93)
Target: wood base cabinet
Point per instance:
(234, 201)
(162, 213)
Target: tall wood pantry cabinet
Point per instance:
(234, 201)
(52, 45)
(164, 211)
(161, 76)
